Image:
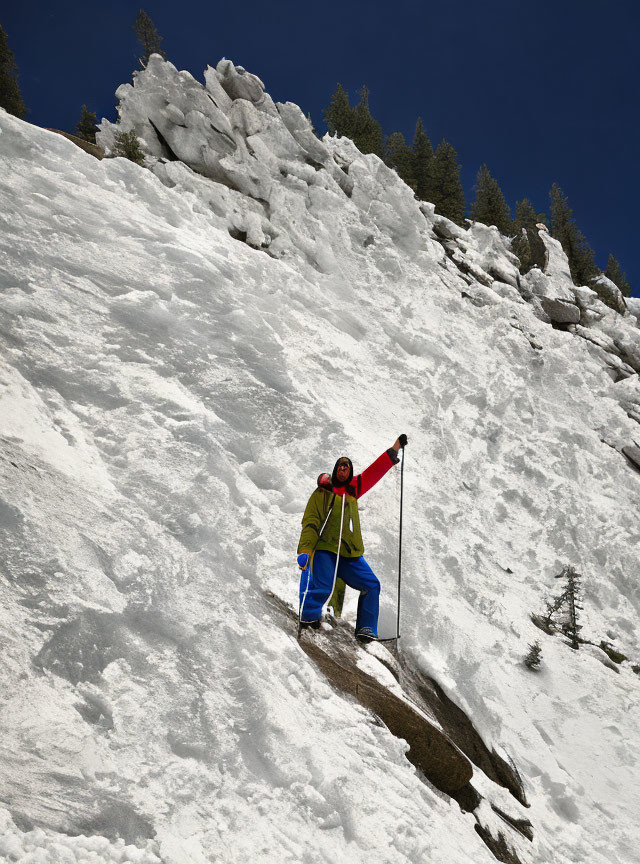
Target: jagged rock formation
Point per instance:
(265, 158)
(266, 162)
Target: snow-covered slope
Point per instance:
(168, 395)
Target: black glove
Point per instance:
(403, 440)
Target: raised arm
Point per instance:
(376, 471)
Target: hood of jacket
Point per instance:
(334, 478)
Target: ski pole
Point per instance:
(400, 545)
(308, 569)
(335, 572)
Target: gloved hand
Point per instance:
(303, 560)
(401, 441)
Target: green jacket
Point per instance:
(324, 501)
(314, 515)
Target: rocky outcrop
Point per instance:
(609, 293)
(552, 287)
(267, 163)
(633, 455)
(433, 752)
(491, 253)
(442, 739)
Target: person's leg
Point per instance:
(316, 586)
(357, 574)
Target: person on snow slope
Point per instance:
(331, 518)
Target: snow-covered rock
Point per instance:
(557, 266)
(610, 293)
(553, 287)
(238, 83)
(633, 305)
(494, 255)
(632, 452)
(444, 227)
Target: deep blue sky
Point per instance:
(541, 91)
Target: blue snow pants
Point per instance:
(316, 586)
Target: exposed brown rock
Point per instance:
(92, 149)
(460, 729)
(430, 750)
(611, 652)
(498, 846)
(522, 826)
(442, 763)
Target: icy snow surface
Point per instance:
(168, 395)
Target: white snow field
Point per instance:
(168, 395)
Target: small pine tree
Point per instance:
(339, 116)
(148, 37)
(367, 132)
(534, 656)
(10, 97)
(444, 188)
(422, 156)
(127, 145)
(527, 244)
(572, 594)
(87, 127)
(561, 612)
(614, 272)
(547, 621)
(490, 206)
(399, 156)
(563, 228)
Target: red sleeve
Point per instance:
(376, 471)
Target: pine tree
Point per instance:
(534, 656)
(614, 272)
(547, 621)
(562, 612)
(563, 228)
(571, 596)
(127, 145)
(10, 97)
(527, 244)
(526, 216)
(148, 37)
(490, 206)
(444, 188)
(422, 156)
(339, 116)
(400, 157)
(367, 132)
(87, 127)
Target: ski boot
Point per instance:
(366, 635)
